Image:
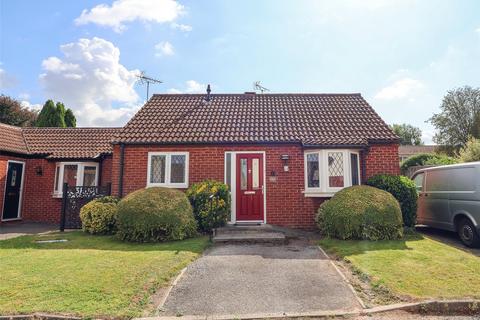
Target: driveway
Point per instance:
(447, 237)
(17, 229)
(252, 279)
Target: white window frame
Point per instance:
(80, 170)
(324, 190)
(168, 161)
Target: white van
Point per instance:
(449, 199)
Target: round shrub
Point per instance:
(211, 204)
(155, 214)
(404, 190)
(362, 213)
(99, 216)
(424, 159)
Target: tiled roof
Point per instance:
(58, 142)
(310, 119)
(11, 139)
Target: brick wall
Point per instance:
(286, 203)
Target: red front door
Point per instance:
(249, 187)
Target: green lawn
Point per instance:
(88, 275)
(416, 266)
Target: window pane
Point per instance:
(243, 174)
(335, 169)
(255, 173)
(462, 179)
(177, 172)
(70, 174)
(437, 180)
(419, 182)
(57, 177)
(313, 176)
(157, 170)
(89, 173)
(354, 169)
(228, 170)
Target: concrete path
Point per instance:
(447, 237)
(246, 279)
(17, 229)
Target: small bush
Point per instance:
(404, 190)
(99, 216)
(424, 159)
(211, 204)
(362, 213)
(155, 214)
(471, 151)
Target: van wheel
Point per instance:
(468, 233)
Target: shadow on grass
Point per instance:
(344, 248)
(82, 241)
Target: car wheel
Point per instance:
(468, 233)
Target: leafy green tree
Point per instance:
(60, 109)
(56, 115)
(471, 151)
(409, 135)
(70, 120)
(13, 113)
(459, 117)
(49, 116)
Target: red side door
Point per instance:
(249, 188)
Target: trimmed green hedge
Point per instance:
(362, 213)
(404, 190)
(424, 159)
(211, 204)
(155, 214)
(99, 216)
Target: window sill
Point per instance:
(310, 194)
(172, 186)
(57, 195)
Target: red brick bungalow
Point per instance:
(281, 154)
(34, 161)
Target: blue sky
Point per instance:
(401, 55)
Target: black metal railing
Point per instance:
(74, 198)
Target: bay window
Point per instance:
(328, 171)
(167, 169)
(75, 174)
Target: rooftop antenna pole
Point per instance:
(258, 87)
(144, 79)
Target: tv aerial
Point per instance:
(143, 79)
(258, 87)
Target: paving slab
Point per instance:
(259, 278)
(17, 229)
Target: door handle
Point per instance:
(249, 192)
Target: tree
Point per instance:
(409, 135)
(56, 115)
(471, 151)
(70, 120)
(459, 117)
(13, 113)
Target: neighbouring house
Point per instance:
(281, 154)
(35, 161)
(405, 152)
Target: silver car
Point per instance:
(449, 199)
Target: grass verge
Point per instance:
(91, 276)
(417, 267)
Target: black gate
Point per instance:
(73, 199)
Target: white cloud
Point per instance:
(32, 106)
(24, 96)
(181, 27)
(90, 79)
(400, 89)
(122, 11)
(477, 30)
(164, 48)
(191, 86)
